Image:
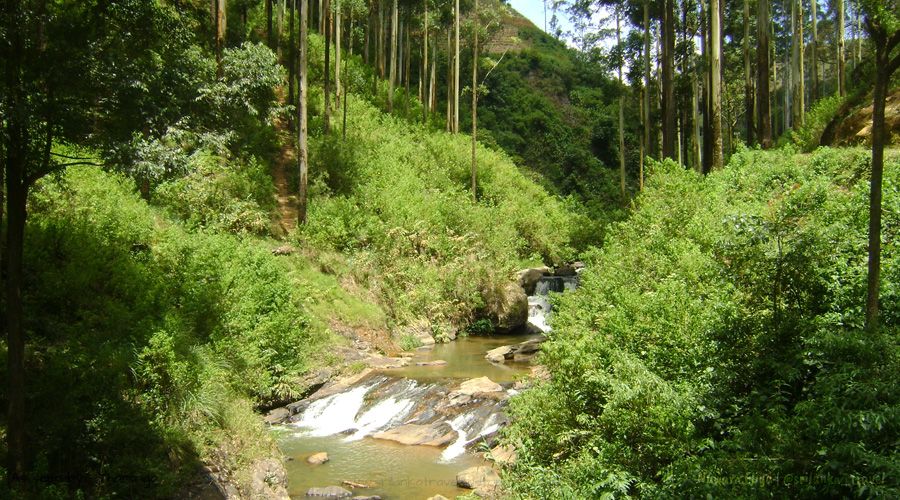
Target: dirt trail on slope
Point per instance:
(283, 162)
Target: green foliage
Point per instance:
(164, 341)
(715, 347)
(407, 222)
(808, 136)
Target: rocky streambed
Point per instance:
(417, 425)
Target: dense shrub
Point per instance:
(150, 345)
(715, 346)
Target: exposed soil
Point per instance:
(853, 123)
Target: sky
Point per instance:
(534, 10)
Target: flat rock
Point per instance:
(317, 458)
(477, 385)
(480, 477)
(436, 362)
(434, 434)
(363, 497)
(329, 492)
(385, 363)
(438, 497)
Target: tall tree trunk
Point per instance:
(381, 36)
(749, 101)
(432, 93)
(392, 77)
(839, 26)
(456, 69)
(449, 81)
(292, 54)
(302, 106)
(797, 39)
(763, 104)
(668, 80)
(884, 68)
(475, 105)
(16, 196)
(715, 37)
(706, 166)
(219, 18)
(814, 49)
(280, 26)
(337, 55)
(406, 67)
(323, 16)
(346, 90)
(326, 15)
(621, 110)
(426, 86)
(270, 35)
(646, 102)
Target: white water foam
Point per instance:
(333, 414)
(458, 447)
(380, 416)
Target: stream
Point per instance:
(406, 432)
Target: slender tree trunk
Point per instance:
(270, 35)
(380, 43)
(763, 104)
(884, 68)
(715, 37)
(368, 35)
(797, 38)
(292, 54)
(219, 18)
(668, 80)
(346, 90)
(695, 119)
(426, 85)
(326, 15)
(839, 26)
(646, 101)
(621, 110)
(642, 149)
(475, 105)
(16, 195)
(302, 106)
(705, 167)
(280, 26)
(432, 93)
(392, 78)
(323, 15)
(749, 101)
(406, 67)
(337, 55)
(449, 81)
(814, 50)
(456, 69)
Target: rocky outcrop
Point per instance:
(268, 479)
(528, 278)
(517, 352)
(482, 477)
(329, 492)
(317, 458)
(509, 308)
(436, 362)
(503, 455)
(420, 329)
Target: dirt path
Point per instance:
(284, 161)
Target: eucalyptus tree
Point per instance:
(883, 27)
(302, 114)
(763, 102)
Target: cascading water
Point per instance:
(539, 304)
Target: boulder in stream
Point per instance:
(508, 308)
(516, 352)
(329, 492)
(482, 477)
(436, 362)
(318, 458)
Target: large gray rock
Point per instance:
(482, 477)
(523, 351)
(329, 492)
(277, 416)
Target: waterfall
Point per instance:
(335, 413)
(539, 304)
